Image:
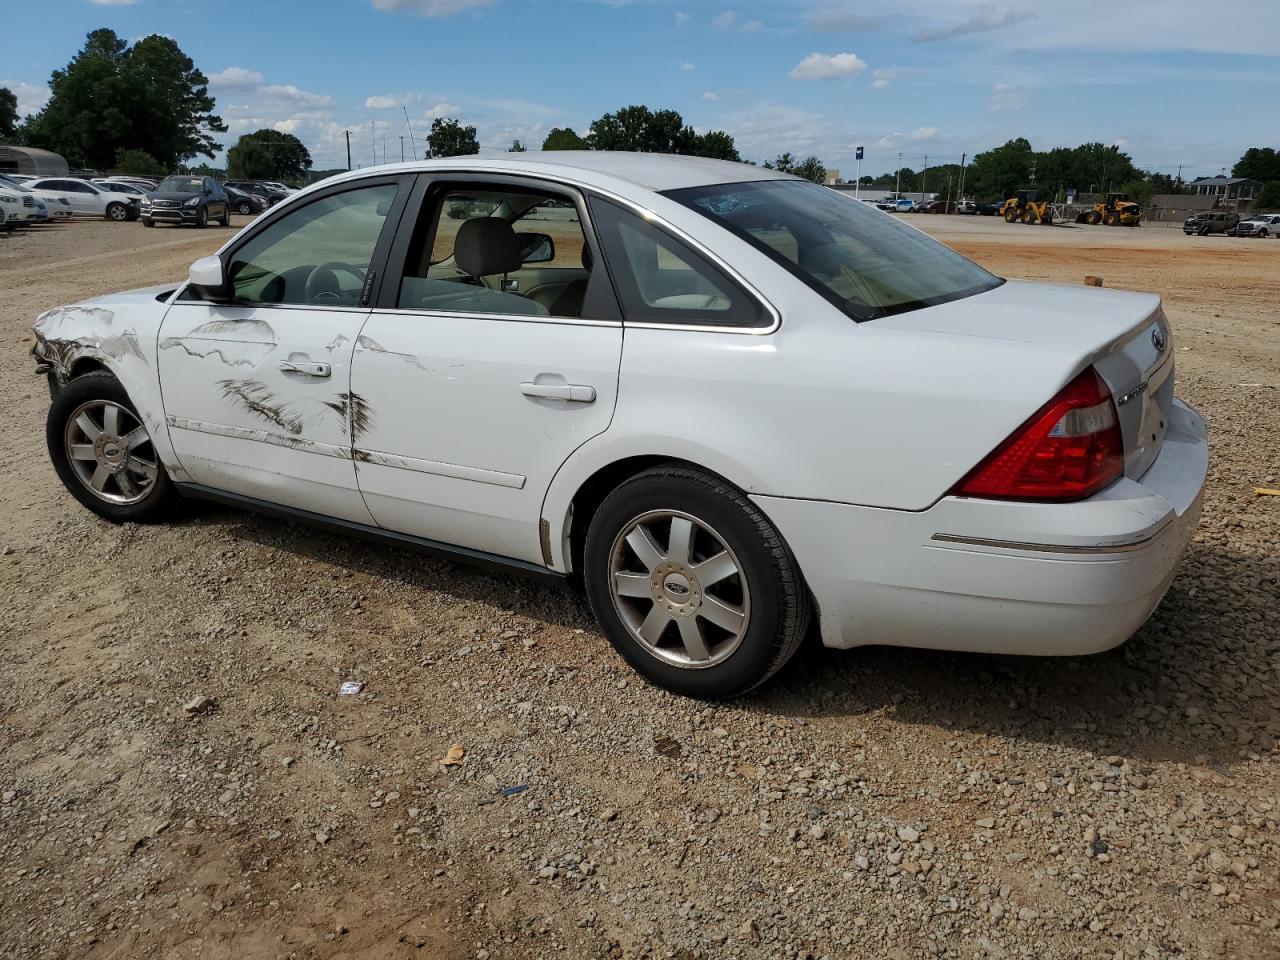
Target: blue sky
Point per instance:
(1172, 81)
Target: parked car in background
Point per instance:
(280, 187)
(904, 205)
(19, 207)
(141, 182)
(1029, 487)
(49, 206)
(121, 186)
(245, 204)
(987, 209)
(1259, 225)
(88, 199)
(938, 206)
(272, 195)
(1210, 221)
(966, 207)
(190, 200)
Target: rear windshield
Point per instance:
(866, 263)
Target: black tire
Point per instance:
(1203, 232)
(1263, 233)
(202, 218)
(100, 385)
(779, 606)
(226, 216)
(245, 209)
(117, 212)
(148, 222)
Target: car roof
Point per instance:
(651, 171)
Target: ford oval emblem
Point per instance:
(1158, 339)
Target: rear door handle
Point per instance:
(306, 369)
(574, 392)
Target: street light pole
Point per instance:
(898, 188)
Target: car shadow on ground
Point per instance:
(1180, 690)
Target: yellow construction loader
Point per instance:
(1117, 210)
(1025, 207)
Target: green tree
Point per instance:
(783, 163)
(563, 138)
(1258, 163)
(250, 159)
(449, 138)
(718, 145)
(110, 96)
(811, 168)
(138, 163)
(8, 114)
(288, 159)
(516, 147)
(998, 173)
(1269, 197)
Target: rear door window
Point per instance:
(660, 279)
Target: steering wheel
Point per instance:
(322, 283)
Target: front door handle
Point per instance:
(574, 392)
(307, 369)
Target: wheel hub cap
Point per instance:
(679, 589)
(110, 452)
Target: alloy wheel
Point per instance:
(687, 603)
(111, 452)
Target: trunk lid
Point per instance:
(1124, 335)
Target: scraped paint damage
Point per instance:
(355, 411)
(256, 397)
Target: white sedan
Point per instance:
(730, 402)
(19, 208)
(88, 199)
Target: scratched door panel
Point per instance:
(458, 447)
(258, 402)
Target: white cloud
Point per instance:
(236, 78)
(918, 135)
(836, 20)
(687, 66)
(822, 66)
(429, 8)
(724, 20)
(682, 19)
(31, 96)
(990, 17)
(711, 95)
(1005, 98)
(289, 95)
(882, 78)
(752, 26)
(383, 102)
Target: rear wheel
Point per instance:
(117, 212)
(103, 453)
(692, 584)
(245, 209)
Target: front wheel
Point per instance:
(117, 212)
(202, 218)
(103, 453)
(225, 220)
(692, 584)
(148, 222)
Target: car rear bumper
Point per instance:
(1003, 577)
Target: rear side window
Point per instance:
(660, 279)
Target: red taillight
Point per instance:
(1069, 450)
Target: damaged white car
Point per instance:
(733, 403)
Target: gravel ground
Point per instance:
(181, 779)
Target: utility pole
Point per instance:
(402, 148)
(373, 136)
(898, 189)
(348, 133)
(960, 188)
(924, 174)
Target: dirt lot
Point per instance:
(874, 803)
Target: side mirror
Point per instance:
(207, 280)
(536, 247)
